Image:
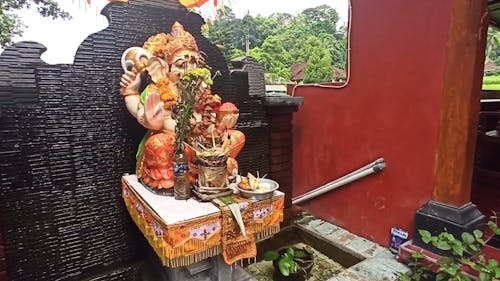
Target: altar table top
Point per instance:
(170, 210)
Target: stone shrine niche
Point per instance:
(67, 139)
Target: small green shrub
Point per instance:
(290, 261)
(419, 271)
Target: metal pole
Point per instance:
(374, 167)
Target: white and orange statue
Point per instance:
(166, 87)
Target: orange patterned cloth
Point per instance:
(235, 246)
(261, 219)
(191, 241)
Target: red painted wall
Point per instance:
(390, 109)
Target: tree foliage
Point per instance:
(492, 45)
(322, 19)
(280, 40)
(10, 23)
(318, 59)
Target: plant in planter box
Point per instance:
(419, 271)
(464, 252)
(290, 263)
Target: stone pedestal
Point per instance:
(212, 269)
(437, 217)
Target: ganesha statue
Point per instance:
(166, 86)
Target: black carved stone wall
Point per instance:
(253, 120)
(66, 139)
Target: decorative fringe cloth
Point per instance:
(176, 247)
(267, 232)
(178, 252)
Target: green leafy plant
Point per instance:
(290, 260)
(464, 252)
(419, 271)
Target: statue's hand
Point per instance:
(153, 111)
(129, 83)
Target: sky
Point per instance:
(62, 37)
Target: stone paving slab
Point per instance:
(326, 228)
(373, 251)
(381, 267)
(348, 275)
(360, 245)
(378, 264)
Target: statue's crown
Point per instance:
(180, 40)
(166, 46)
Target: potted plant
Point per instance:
(290, 263)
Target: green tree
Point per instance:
(257, 54)
(318, 59)
(492, 44)
(337, 46)
(255, 29)
(339, 53)
(222, 30)
(275, 59)
(321, 19)
(265, 27)
(282, 19)
(10, 23)
(236, 53)
(294, 36)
